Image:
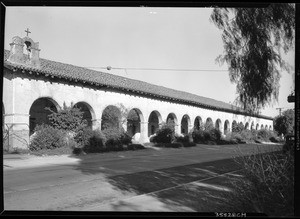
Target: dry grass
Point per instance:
(268, 185)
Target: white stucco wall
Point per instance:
(20, 93)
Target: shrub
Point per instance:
(234, 137)
(213, 135)
(237, 128)
(248, 135)
(68, 118)
(182, 139)
(198, 136)
(83, 136)
(47, 137)
(135, 147)
(263, 134)
(189, 144)
(172, 145)
(116, 138)
(268, 185)
(96, 142)
(89, 141)
(210, 135)
(165, 134)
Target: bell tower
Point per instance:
(24, 51)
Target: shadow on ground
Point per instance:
(192, 187)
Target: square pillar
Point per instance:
(144, 133)
(17, 130)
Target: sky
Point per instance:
(137, 39)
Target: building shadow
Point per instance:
(193, 187)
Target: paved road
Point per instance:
(146, 180)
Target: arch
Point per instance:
(172, 119)
(39, 112)
(266, 127)
(134, 119)
(209, 123)
(198, 123)
(257, 126)
(234, 126)
(218, 124)
(154, 122)
(111, 117)
(226, 127)
(88, 112)
(261, 126)
(185, 123)
(270, 128)
(247, 125)
(252, 126)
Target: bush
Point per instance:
(83, 136)
(182, 139)
(189, 144)
(89, 141)
(165, 134)
(237, 128)
(263, 134)
(198, 136)
(116, 138)
(268, 185)
(47, 137)
(172, 145)
(135, 147)
(210, 135)
(234, 137)
(247, 135)
(68, 119)
(213, 135)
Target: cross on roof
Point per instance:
(27, 31)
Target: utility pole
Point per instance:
(280, 110)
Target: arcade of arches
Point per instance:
(112, 118)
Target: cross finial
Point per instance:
(27, 31)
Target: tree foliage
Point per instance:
(284, 124)
(253, 39)
(68, 118)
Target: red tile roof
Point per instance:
(76, 73)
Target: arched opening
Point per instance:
(185, 122)
(241, 126)
(266, 127)
(27, 48)
(234, 126)
(262, 126)
(198, 123)
(172, 119)
(218, 124)
(39, 112)
(154, 122)
(247, 125)
(134, 122)
(87, 112)
(252, 125)
(226, 127)
(270, 128)
(257, 126)
(209, 124)
(111, 118)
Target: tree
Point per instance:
(68, 118)
(284, 124)
(253, 40)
